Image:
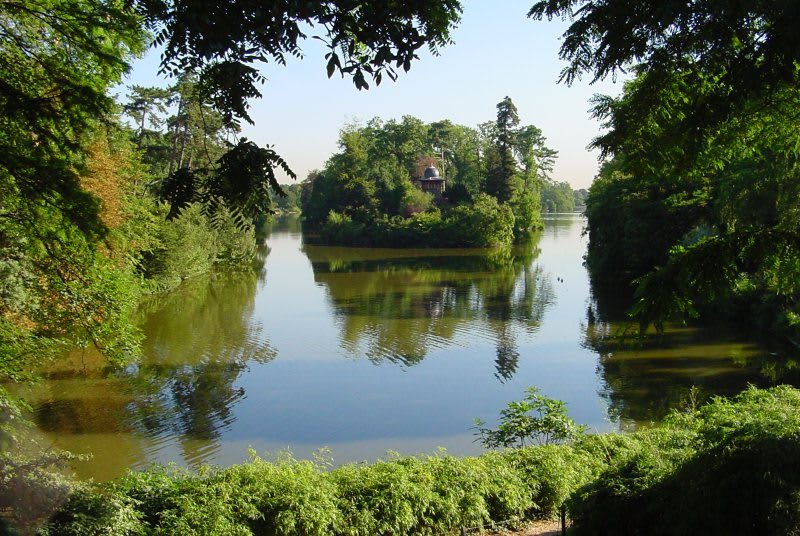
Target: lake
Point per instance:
(364, 351)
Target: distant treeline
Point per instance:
(555, 197)
(497, 182)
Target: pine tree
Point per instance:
(502, 168)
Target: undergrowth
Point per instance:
(730, 467)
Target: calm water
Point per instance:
(369, 350)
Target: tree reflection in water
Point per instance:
(644, 377)
(397, 305)
(200, 340)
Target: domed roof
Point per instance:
(431, 173)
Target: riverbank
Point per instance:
(727, 465)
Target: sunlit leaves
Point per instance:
(57, 59)
(536, 419)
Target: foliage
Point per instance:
(557, 197)
(630, 231)
(52, 95)
(698, 204)
(290, 202)
(502, 179)
(536, 419)
(222, 41)
(751, 48)
(484, 223)
(32, 488)
(727, 467)
(735, 205)
(526, 208)
(244, 178)
(370, 182)
(396, 496)
(58, 194)
(580, 196)
(191, 244)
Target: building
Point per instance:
(432, 183)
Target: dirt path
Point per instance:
(534, 528)
(540, 528)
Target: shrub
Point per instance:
(192, 243)
(398, 496)
(187, 249)
(537, 419)
(340, 228)
(235, 241)
(731, 467)
(485, 223)
(527, 214)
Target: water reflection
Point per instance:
(367, 350)
(645, 376)
(397, 305)
(182, 393)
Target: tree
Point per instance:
(502, 167)
(53, 92)
(749, 50)
(537, 159)
(54, 88)
(557, 196)
(706, 135)
(58, 60)
(144, 103)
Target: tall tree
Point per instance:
(536, 157)
(143, 106)
(501, 176)
(711, 111)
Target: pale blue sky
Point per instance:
(498, 51)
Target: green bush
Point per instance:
(235, 244)
(527, 215)
(340, 228)
(187, 249)
(731, 467)
(398, 496)
(485, 223)
(537, 419)
(192, 243)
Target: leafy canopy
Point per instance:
(699, 200)
(224, 41)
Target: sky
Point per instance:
(497, 52)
